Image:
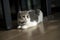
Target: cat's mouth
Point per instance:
(22, 23)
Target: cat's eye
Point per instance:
(23, 16)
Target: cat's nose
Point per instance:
(22, 22)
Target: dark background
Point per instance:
(9, 9)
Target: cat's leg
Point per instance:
(25, 27)
(29, 25)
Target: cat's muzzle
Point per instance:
(22, 23)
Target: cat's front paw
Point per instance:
(24, 27)
(19, 27)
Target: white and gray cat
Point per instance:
(29, 18)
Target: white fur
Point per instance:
(33, 23)
(40, 17)
(28, 24)
(19, 27)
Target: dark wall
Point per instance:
(57, 3)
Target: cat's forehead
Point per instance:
(23, 13)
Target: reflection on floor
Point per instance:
(51, 31)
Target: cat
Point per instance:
(27, 19)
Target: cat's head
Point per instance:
(24, 16)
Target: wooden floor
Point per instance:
(49, 30)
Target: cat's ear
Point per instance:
(29, 11)
(19, 11)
